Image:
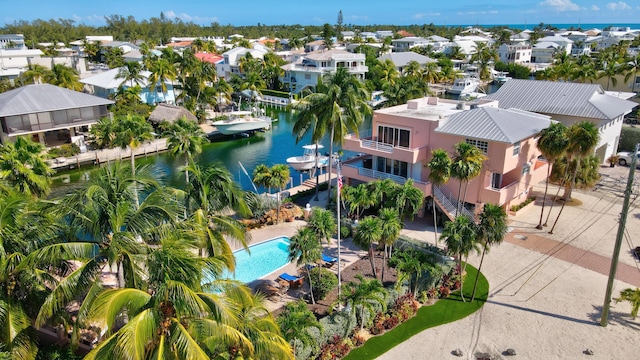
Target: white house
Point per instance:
(229, 65)
(401, 59)
(107, 83)
(565, 43)
(406, 43)
(12, 41)
(569, 103)
(307, 71)
(515, 54)
(15, 61)
(543, 52)
(383, 34)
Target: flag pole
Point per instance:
(339, 258)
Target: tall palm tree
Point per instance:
(633, 67)
(431, 73)
(610, 70)
(632, 297)
(339, 106)
(390, 225)
(103, 133)
(65, 77)
(466, 165)
(211, 196)
(323, 223)
(262, 176)
(185, 138)
(359, 199)
(552, 143)
(162, 71)
(363, 294)
(305, 249)
(492, 229)
(368, 232)
(22, 166)
(460, 236)
(408, 199)
(279, 179)
(412, 69)
(439, 173)
(388, 72)
(132, 131)
(131, 72)
(35, 74)
(583, 138)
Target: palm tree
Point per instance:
(408, 199)
(391, 225)
(305, 249)
(412, 69)
(363, 294)
(388, 72)
(633, 67)
(368, 232)
(131, 131)
(466, 165)
(262, 176)
(552, 143)
(338, 106)
(22, 166)
(439, 173)
(185, 138)
(583, 138)
(431, 73)
(491, 231)
(460, 236)
(211, 196)
(323, 223)
(610, 70)
(103, 133)
(161, 72)
(359, 199)
(65, 77)
(294, 321)
(35, 74)
(279, 179)
(633, 297)
(131, 72)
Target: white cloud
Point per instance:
(186, 17)
(423, 15)
(76, 17)
(595, 8)
(620, 5)
(561, 5)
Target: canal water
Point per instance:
(270, 147)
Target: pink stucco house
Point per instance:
(402, 137)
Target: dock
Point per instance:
(307, 185)
(96, 157)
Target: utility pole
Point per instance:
(616, 250)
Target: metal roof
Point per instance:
(401, 59)
(109, 79)
(45, 97)
(561, 98)
(495, 124)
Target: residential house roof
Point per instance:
(546, 45)
(170, 113)
(45, 97)
(329, 54)
(561, 98)
(401, 59)
(109, 79)
(405, 33)
(556, 39)
(495, 124)
(210, 58)
(437, 38)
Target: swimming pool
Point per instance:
(264, 259)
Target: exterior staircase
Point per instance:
(448, 203)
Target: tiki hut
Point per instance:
(170, 113)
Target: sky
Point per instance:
(312, 12)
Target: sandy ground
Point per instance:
(539, 305)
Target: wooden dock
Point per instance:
(307, 184)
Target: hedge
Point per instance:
(629, 137)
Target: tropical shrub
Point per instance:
(65, 150)
(323, 281)
(336, 348)
(529, 200)
(340, 323)
(629, 137)
(378, 324)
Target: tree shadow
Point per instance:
(615, 317)
(545, 313)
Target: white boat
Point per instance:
(242, 121)
(464, 85)
(501, 77)
(308, 160)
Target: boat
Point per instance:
(308, 160)
(501, 77)
(464, 85)
(242, 122)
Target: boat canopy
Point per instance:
(312, 147)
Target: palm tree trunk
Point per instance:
(384, 262)
(461, 276)
(544, 200)
(313, 300)
(133, 174)
(186, 172)
(567, 199)
(466, 186)
(373, 267)
(317, 174)
(459, 192)
(435, 222)
(557, 193)
(330, 166)
(475, 283)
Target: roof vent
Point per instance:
(462, 106)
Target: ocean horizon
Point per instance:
(585, 26)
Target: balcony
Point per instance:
(361, 173)
(369, 145)
(502, 195)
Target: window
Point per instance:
(496, 180)
(307, 76)
(482, 145)
(525, 169)
(389, 166)
(393, 136)
(516, 148)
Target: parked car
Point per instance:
(625, 158)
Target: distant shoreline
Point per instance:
(585, 26)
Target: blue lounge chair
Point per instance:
(294, 281)
(329, 259)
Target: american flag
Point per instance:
(340, 183)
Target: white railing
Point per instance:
(375, 145)
(378, 175)
(449, 201)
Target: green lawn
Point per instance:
(442, 312)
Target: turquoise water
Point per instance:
(261, 260)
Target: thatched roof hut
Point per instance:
(170, 113)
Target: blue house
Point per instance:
(107, 83)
